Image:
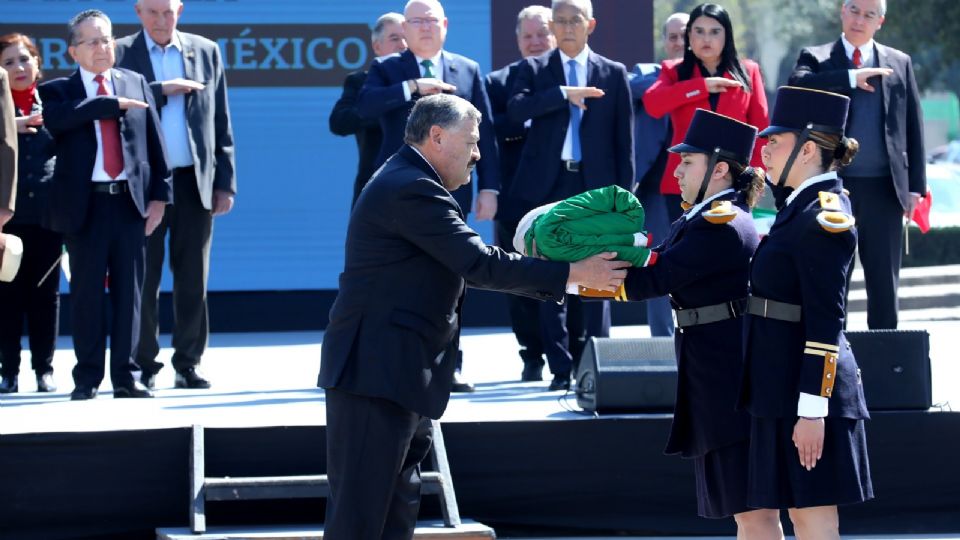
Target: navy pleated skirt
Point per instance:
(777, 480)
(722, 481)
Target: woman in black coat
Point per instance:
(703, 266)
(801, 385)
(33, 296)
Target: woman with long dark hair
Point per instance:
(710, 76)
(33, 296)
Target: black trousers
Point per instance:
(374, 451)
(109, 248)
(22, 300)
(524, 311)
(190, 227)
(879, 216)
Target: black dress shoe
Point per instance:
(80, 393)
(189, 378)
(559, 382)
(460, 385)
(9, 385)
(148, 379)
(45, 383)
(531, 372)
(135, 390)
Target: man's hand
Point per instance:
(577, 94)
(127, 104)
(486, 205)
(222, 202)
(178, 86)
(719, 85)
(154, 215)
(599, 272)
(863, 74)
(808, 438)
(912, 205)
(5, 216)
(29, 124)
(428, 86)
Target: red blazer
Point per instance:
(680, 99)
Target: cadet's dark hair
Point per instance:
(729, 60)
(835, 150)
(748, 181)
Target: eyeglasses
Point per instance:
(93, 43)
(576, 21)
(423, 21)
(868, 16)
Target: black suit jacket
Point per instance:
(408, 256)
(382, 97)
(69, 115)
(344, 121)
(208, 113)
(606, 129)
(511, 135)
(826, 67)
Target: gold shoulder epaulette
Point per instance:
(832, 218)
(720, 212)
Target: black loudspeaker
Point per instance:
(627, 375)
(895, 368)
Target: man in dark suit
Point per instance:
(888, 177)
(386, 39)
(394, 85)
(187, 78)
(109, 189)
(533, 38)
(8, 152)
(409, 255)
(580, 138)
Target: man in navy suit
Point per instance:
(409, 256)
(386, 39)
(109, 189)
(888, 177)
(394, 85)
(533, 38)
(580, 138)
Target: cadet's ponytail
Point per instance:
(749, 181)
(835, 151)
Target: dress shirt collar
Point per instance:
(87, 77)
(866, 50)
(435, 64)
(831, 175)
(174, 42)
(696, 209)
(581, 58)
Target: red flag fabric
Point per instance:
(921, 214)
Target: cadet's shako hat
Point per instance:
(709, 131)
(797, 108)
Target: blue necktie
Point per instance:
(575, 112)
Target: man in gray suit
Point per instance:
(187, 77)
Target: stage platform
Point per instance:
(525, 461)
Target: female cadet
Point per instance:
(808, 450)
(703, 265)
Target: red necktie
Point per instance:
(857, 60)
(110, 137)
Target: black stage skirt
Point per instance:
(722, 481)
(777, 480)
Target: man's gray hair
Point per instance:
(383, 21)
(534, 12)
(585, 7)
(443, 110)
(678, 16)
(882, 7)
(79, 18)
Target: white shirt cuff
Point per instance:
(495, 192)
(853, 77)
(528, 122)
(812, 406)
(564, 92)
(406, 91)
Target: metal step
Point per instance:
(426, 530)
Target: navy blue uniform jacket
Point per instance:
(702, 264)
(69, 115)
(409, 255)
(382, 97)
(800, 263)
(606, 128)
(511, 135)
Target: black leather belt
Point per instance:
(710, 314)
(570, 165)
(771, 309)
(111, 188)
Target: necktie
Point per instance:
(575, 112)
(110, 136)
(857, 58)
(427, 72)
